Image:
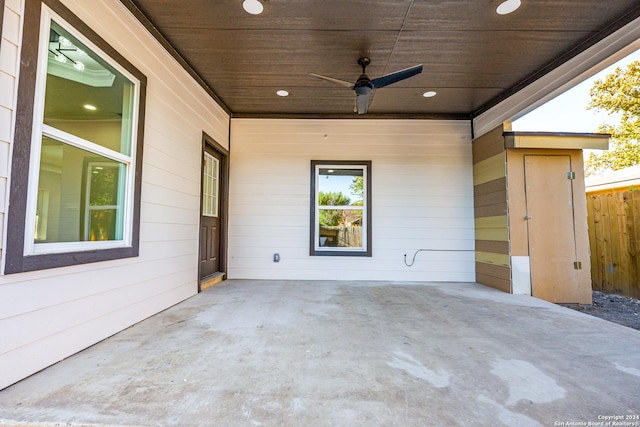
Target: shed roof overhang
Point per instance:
(557, 140)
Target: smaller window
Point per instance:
(341, 208)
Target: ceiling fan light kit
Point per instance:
(364, 85)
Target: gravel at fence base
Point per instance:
(614, 308)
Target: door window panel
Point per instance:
(210, 190)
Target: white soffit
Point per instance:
(584, 65)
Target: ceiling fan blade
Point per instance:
(396, 77)
(362, 102)
(331, 79)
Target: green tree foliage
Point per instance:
(333, 199)
(618, 93)
(332, 217)
(357, 188)
(104, 186)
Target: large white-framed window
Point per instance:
(341, 208)
(84, 112)
(76, 165)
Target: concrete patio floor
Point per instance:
(292, 353)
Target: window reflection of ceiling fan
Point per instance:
(364, 85)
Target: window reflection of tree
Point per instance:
(103, 201)
(341, 227)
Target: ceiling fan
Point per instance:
(364, 85)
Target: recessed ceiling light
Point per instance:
(253, 7)
(90, 107)
(282, 93)
(430, 94)
(508, 6)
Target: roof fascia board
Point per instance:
(600, 55)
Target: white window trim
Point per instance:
(40, 129)
(83, 144)
(316, 242)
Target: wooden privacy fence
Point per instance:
(343, 236)
(614, 237)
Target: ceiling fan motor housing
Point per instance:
(363, 85)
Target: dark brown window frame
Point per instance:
(312, 229)
(16, 261)
(1, 21)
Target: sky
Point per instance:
(335, 183)
(567, 112)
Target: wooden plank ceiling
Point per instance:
(472, 56)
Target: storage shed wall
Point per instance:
(576, 237)
(422, 198)
(48, 315)
(490, 201)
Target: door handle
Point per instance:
(528, 217)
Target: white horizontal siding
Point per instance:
(48, 315)
(66, 315)
(422, 198)
(57, 346)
